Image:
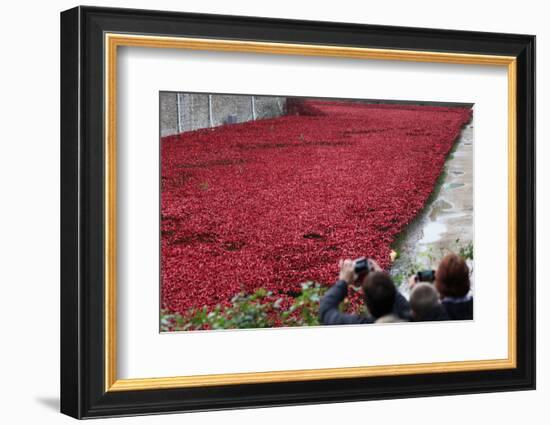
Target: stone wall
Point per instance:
(180, 112)
(168, 114)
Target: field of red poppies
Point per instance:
(273, 203)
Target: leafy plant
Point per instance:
(467, 252)
(305, 309)
(260, 309)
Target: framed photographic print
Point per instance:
(260, 212)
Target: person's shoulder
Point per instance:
(459, 309)
(438, 313)
(389, 318)
(364, 320)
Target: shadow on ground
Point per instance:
(49, 402)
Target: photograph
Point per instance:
(284, 211)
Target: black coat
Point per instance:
(330, 315)
(436, 314)
(461, 310)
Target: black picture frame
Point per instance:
(83, 392)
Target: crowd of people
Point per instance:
(447, 297)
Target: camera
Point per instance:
(425, 276)
(362, 266)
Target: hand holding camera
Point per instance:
(422, 276)
(425, 276)
(354, 271)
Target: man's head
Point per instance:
(424, 300)
(379, 293)
(452, 278)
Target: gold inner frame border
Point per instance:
(111, 43)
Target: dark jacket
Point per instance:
(436, 314)
(459, 309)
(330, 315)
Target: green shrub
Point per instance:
(260, 309)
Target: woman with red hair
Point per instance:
(452, 281)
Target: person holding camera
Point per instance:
(383, 301)
(452, 282)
